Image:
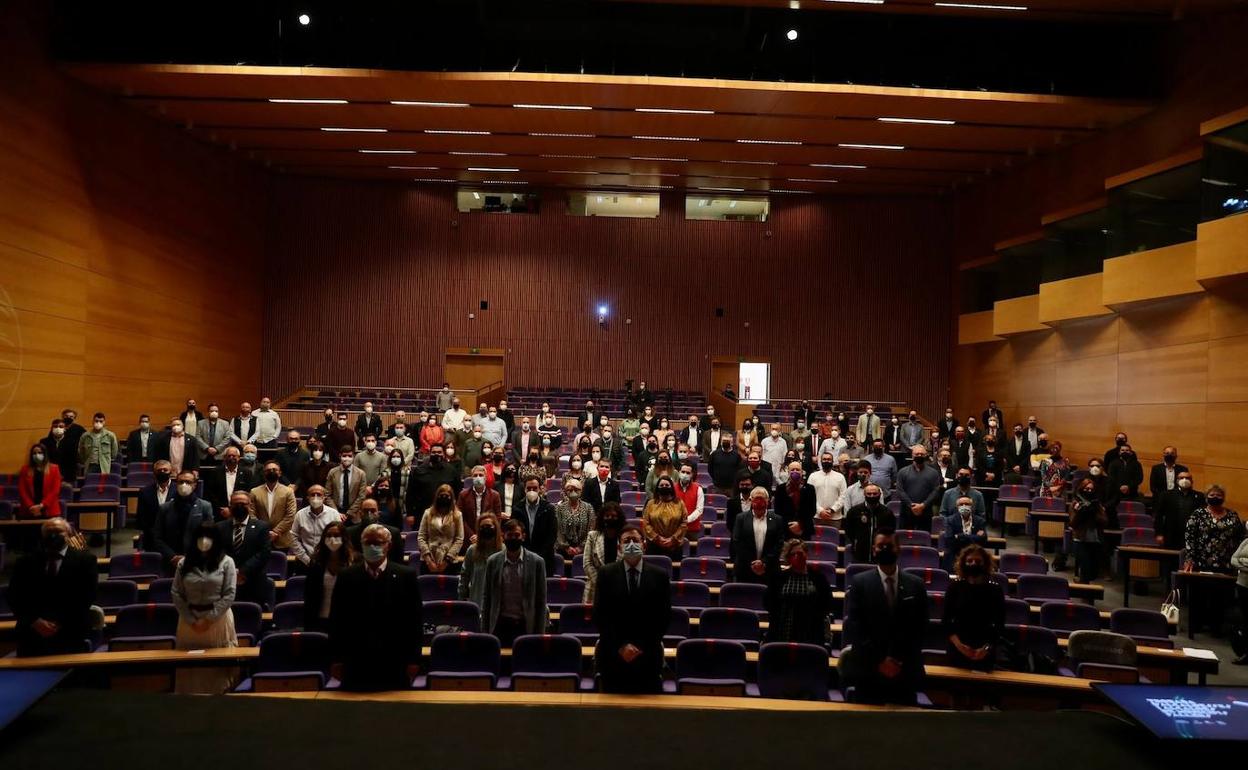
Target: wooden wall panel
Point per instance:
(1222, 248)
(1087, 381)
(817, 284)
(128, 256)
(1016, 316)
(1072, 299)
(1150, 275)
(976, 327)
(1171, 375)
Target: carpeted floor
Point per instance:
(75, 728)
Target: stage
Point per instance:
(73, 727)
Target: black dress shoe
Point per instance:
(1242, 660)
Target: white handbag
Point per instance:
(1170, 607)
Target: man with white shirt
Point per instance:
(213, 435)
(455, 423)
(151, 498)
(224, 481)
(756, 541)
(309, 522)
(712, 439)
(268, 425)
(243, 426)
(141, 441)
(774, 449)
(829, 484)
(692, 434)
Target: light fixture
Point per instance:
(855, 146)
(467, 152)
(598, 198)
(791, 35)
(767, 141)
(388, 152)
(778, 190)
(602, 311)
(487, 170)
(552, 106)
(354, 130)
(404, 103)
(675, 111)
(857, 2)
(919, 121)
(660, 160)
(732, 204)
(574, 157)
(456, 132)
(802, 179)
(476, 196)
(982, 6)
(721, 189)
(305, 19)
(581, 173)
(431, 179)
(650, 173)
(308, 101)
(563, 135)
(669, 138)
(414, 168)
(837, 165)
(750, 162)
(500, 181)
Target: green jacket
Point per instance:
(98, 448)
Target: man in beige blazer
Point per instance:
(355, 484)
(274, 503)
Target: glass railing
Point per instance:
(1154, 212)
(1224, 174)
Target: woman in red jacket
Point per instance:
(39, 487)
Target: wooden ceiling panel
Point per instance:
(789, 128)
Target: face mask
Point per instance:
(973, 569)
(478, 483)
(329, 417)
(177, 430)
(965, 510)
(333, 543)
(37, 458)
(214, 414)
(54, 542)
(886, 555)
(238, 512)
(204, 544)
(645, 431)
(775, 434)
(444, 503)
(531, 495)
(758, 505)
(162, 476)
(795, 475)
(476, 434)
(317, 454)
(685, 477)
(1214, 502)
(606, 434)
(486, 532)
(525, 427)
(370, 445)
(896, 421)
(185, 489)
(573, 494)
(272, 475)
(400, 432)
(316, 501)
(342, 423)
(513, 544)
(250, 457)
(345, 460)
(964, 481)
(610, 525)
(665, 492)
(374, 553)
(631, 549)
(872, 500)
(1185, 483)
(1095, 470)
(58, 432)
(576, 466)
(99, 425)
(879, 451)
(836, 434)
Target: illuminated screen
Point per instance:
(1184, 712)
(755, 383)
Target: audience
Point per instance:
(203, 592)
(974, 614)
(632, 605)
(798, 599)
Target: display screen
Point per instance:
(20, 689)
(1184, 712)
(755, 382)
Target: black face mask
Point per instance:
(964, 481)
(611, 525)
(873, 501)
(973, 570)
(886, 555)
(665, 492)
(238, 512)
(1120, 441)
(1214, 501)
(54, 542)
(513, 545)
(486, 532)
(1171, 458)
(293, 446)
(272, 476)
(437, 460)
(920, 460)
(444, 503)
(827, 467)
(162, 476)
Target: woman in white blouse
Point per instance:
(203, 592)
(441, 533)
(332, 555)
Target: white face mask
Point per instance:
(316, 501)
(1095, 470)
(531, 495)
(317, 454)
(346, 461)
(370, 445)
(185, 489)
(204, 544)
(333, 543)
(342, 423)
(1185, 483)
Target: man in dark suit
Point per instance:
(947, 424)
(367, 424)
(177, 518)
(993, 412)
(62, 450)
(963, 448)
(141, 443)
(51, 591)
(1173, 509)
(752, 563)
(632, 605)
(375, 625)
(1164, 476)
(885, 619)
(691, 435)
(370, 513)
(217, 489)
(424, 482)
(601, 489)
(190, 448)
(963, 528)
(795, 504)
(538, 517)
(864, 520)
(1018, 450)
(612, 448)
(151, 497)
(591, 415)
(247, 542)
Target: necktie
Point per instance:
(346, 490)
(890, 590)
(238, 537)
(212, 433)
(53, 563)
(632, 581)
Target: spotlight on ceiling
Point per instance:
(305, 19)
(791, 34)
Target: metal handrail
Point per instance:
(838, 400)
(371, 387)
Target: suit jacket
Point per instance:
(222, 435)
(518, 450)
(190, 451)
(988, 414)
(614, 453)
(356, 485)
(892, 435)
(533, 588)
(955, 540)
(1020, 457)
(961, 451)
(868, 428)
(63, 599)
(282, 517)
(1157, 478)
(1173, 509)
(423, 482)
(214, 485)
(803, 514)
(375, 626)
(596, 493)
(877, 631)
(911, 433)
(705, 441)
(171, 534)
(861, 524)
(540, 534)
(639, 618)
(134, 446)
(593, 418)
(946, 426)
(366, 425)
(467, 503)
(252, 557)
(148, 509)
(745, 550)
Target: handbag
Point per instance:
(1170, 607)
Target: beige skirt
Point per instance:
(206, 680)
